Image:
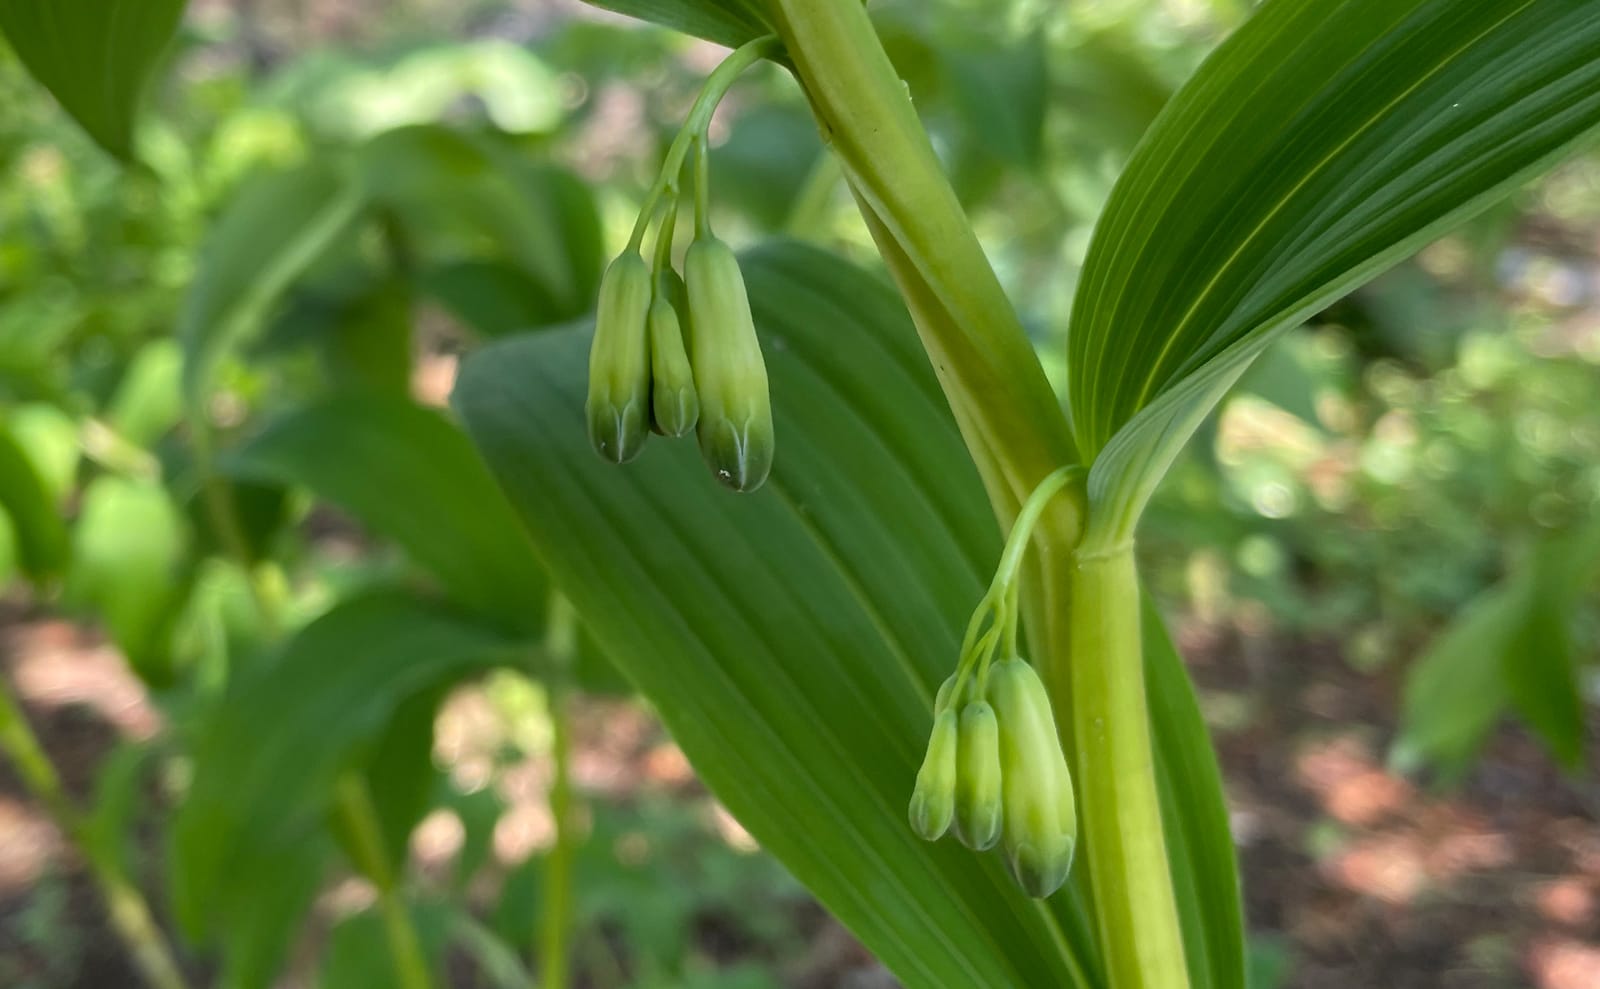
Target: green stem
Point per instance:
(1123, 839)
(1004, 405)
(1017, 435)
(221, 508)
(697, 124)
(353, 806)
(130, 914)
(702, 187)
(555, 933)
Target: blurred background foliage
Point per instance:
(1384, 549)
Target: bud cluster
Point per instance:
(672, 353)
(994, 771)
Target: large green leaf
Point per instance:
(268, 756)
(412, 476)
(272, 231)
(1321, 143)
(96, 56)
(792, 639)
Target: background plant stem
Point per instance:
(353, 807)
(1134, 905)
(129, 912)
(555, 930)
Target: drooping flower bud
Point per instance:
(618, 406)
(978, 798)
(674, 404)
(735, 427)
(1040, 829)
(933, 799)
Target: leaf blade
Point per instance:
(1318, 145)
(410, 474)
(97, 57)
(804, 642)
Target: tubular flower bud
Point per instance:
(674, 404)
(618, 407)
(978, 797)
(1041, 819)
(933, 799)
(735, 427)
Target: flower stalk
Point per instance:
(126, 907)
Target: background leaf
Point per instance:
(273, 230)
(269, 754)
(129, 566)
(410, 475)
(1319, 144)
(791, 640)
(96, 57)
(40, 534)
(726, 22)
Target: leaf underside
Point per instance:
(1319, 144)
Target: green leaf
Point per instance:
(400, 778)
(451, 191)
(1205, 869)
(129, 568)
(792, 640)
(269, 754)
(1511, 646)
(1317, 146)
(726, 22)
(41, 535)
(148, 401)
(409, 474)
(491, 297)
(95, 56)
(360, 328)
(272, 231)
(1455, 692)
(360, 953)
(1541, 667)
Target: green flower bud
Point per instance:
(735, 426)
(618, 407)
(978, 800)
(1041, 820)
(674, 405)
(934, 798)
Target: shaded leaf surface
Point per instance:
(277, 226)
(411, 475)
(268, 755)
(95, 56)
(792, 639)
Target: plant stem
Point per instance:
(1124, 842)
(996, 387)
(353, 806)
(1017, 435)
(128, 911)
(555, 932)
